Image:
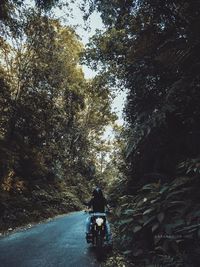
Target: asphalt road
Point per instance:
(56, 243)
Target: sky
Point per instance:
(95, 23)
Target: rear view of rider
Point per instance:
(98, 203)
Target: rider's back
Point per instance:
(98, 204)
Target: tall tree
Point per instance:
(151, 48)
(148, 46)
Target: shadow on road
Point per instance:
(100, 255)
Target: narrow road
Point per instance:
(56, 243)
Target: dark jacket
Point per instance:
(97, 204)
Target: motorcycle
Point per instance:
(97, 234)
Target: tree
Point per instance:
(54, 112)
(44, 88)
(151, 48)
(147, 47)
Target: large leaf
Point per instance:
(137, 228)
(126, 221)
(161, 216)
(175, 203)
(149, 220)
(164, 189)
(176, 193)
(128, 212)
(148, 211)
(155, 227)
(190, 228)
(148, 187)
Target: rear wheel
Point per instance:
(99, 241)
(99, 248)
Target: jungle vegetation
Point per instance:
(151, 50)
(51, 117)
(52, 120)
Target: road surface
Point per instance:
(56, 243)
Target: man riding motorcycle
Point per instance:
(97, 204)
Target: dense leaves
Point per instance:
(151, 48)
(51, 117)
(161, 222)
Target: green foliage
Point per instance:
(190, 166)
(42, 87)
(161, 221)
(51, 117)
(151, 49)
(38, 202)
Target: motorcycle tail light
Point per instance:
(99, 221)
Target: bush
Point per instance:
(161, 223)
